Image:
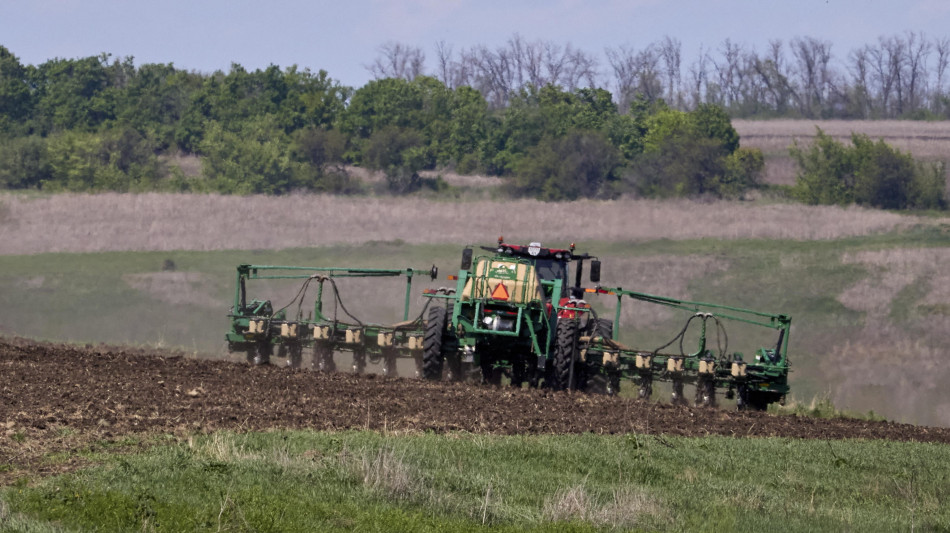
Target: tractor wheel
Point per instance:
(294, 355)
(706, 393)
(565, 354)
(323, 357)
(432, 358)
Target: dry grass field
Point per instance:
(162, 222)
(929, 141)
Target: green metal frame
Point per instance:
(767, 373)
(534, 324)
(242, 337)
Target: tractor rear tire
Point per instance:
(565, 354)
(432, 357)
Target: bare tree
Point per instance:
(443, 55)
(917, 50)
(859, 65)
(635, 73)
(579, 69)
(699, 79)
(812, 57)
(728, 72)
(669, 50)
(397, 60)
(942, 47)
(775, 77)
(885, 60)
(493, 74)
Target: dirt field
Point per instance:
(58, 398)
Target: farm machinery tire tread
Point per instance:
(565, 353)
(432, 358)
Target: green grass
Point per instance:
(363, 481)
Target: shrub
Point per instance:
(866, 173)
(580, 164)
(24, 162)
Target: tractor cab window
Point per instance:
(550, 270)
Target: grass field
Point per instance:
(870, 312)
(364, 481)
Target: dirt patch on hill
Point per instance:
(58, 397)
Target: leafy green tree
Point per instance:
(536, 114)
(468, 127)
(321, 153)
(692, 154)
(293, 99)
(114, 160)
(742, 171)
(680, 164)
(24, 163)
(713, 122)
(15, 99)
(154, 100)
(579, 164)
(255, 160)
(72, 94)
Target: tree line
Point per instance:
(103, 123)
(898, 76)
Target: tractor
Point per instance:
(514, 312)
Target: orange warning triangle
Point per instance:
(500, 292)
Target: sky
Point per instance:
(343, 37)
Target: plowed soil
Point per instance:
(59, 397)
